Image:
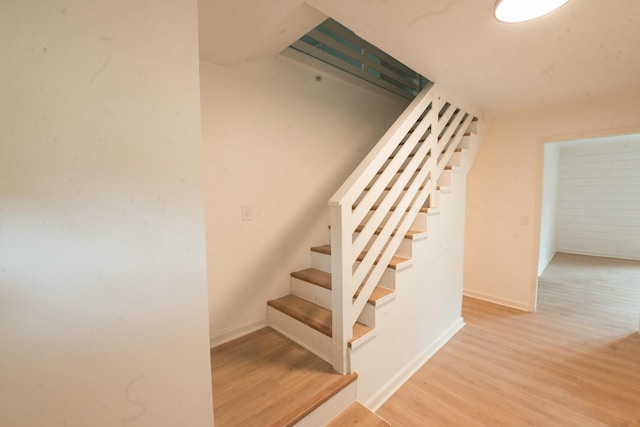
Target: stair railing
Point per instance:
(375, 207)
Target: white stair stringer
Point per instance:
(408, 330)
(426, 311)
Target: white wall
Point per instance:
(599, 197)
(549, 213)
(426, 311)
(103, 313)
(504, 192)
(280, 137)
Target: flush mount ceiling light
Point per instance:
(511, 11)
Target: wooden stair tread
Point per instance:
(377, 294)
(457, 150)
(455, 134)
(323, 279)
(395, 260)
(393, 156)
(357, 415)
(312, 315)
(314, 276)
(409, 234)
(420, 141)
(399, 170)
(389, 188)
(359, 330)
(307, 406)
(243, 373)
(393, 208)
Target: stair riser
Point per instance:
(454, 161)
(445, 190)
(395, 153)
(331, 408)
(403, 250)
(419, 223)
(445, 178)
(368, 316)
(309, 338)
(433, 200)
(323, 262)
(393, 179)
(388, 279)
(384, 194)
(310, 292)
(473, 129)
(322, 297)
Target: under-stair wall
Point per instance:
(426, 311)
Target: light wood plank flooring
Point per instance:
(263, 379)
(575, 362)
(357, 415)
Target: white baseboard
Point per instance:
(598, 254)
(496, 300)
(385, 392)
(546, 262)
(233, 333)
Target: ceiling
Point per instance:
(588, 49)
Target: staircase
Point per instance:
(378, 217)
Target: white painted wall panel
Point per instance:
(103, 287)
(599, 197)
(505, 184)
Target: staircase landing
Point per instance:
(264, 379)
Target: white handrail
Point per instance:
(366, 170)
(398, 176)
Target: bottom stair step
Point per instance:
(358, 415)
(264, 379)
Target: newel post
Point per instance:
(341, 294)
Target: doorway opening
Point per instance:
(590, 220)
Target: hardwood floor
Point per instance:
(575, 362)
(263, 379)
(357, 415)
